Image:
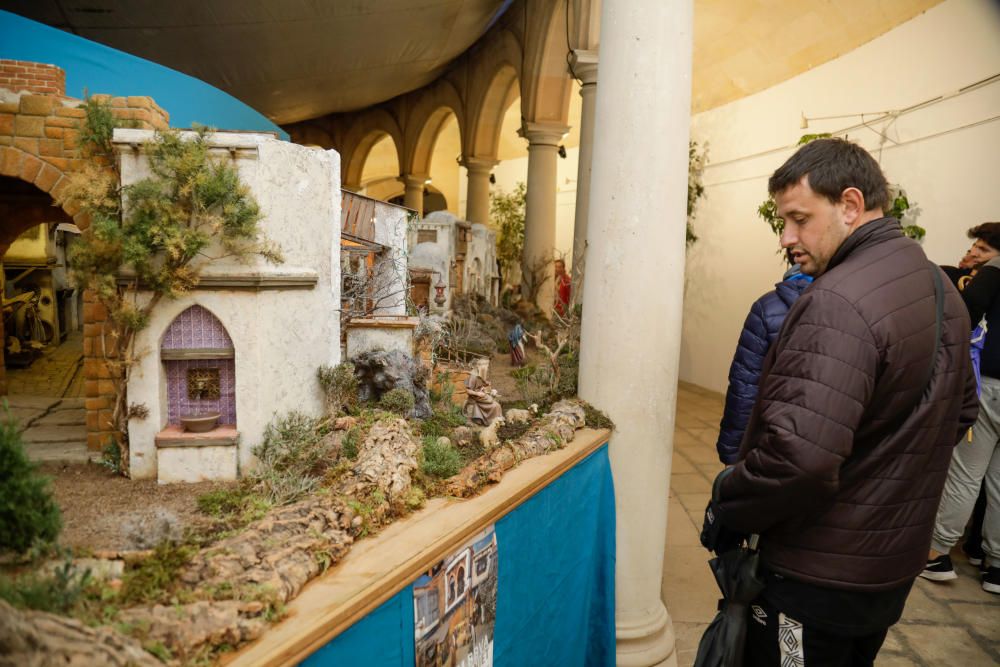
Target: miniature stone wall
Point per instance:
(283, 320)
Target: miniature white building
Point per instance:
(454, 253)
(248, 340)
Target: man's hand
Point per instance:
(714, 535)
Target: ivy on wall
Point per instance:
(901, 209)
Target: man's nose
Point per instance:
(788, 237)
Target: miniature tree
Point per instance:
(507, 218)
(148, 241)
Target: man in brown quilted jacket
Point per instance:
(864, 394)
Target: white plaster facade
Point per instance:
(481, 275)
(444, 255)
(283, 319)
(391, 226)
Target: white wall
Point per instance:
(281, 336)
(946, 155)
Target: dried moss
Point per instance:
(596, 419)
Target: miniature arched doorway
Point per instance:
(199, 361)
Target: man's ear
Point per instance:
(853, 202)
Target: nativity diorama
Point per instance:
(323, 399)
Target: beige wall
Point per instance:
(945, 155)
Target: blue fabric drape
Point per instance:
(95, 68)
(556, 590)
(556, 594)
(383, 638)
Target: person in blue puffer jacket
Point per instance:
(759, 331)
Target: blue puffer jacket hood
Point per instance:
(759, 331)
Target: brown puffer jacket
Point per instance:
(847, 449)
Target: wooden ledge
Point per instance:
(253, 281)
(224, 435)
(383, 323)
(378, 567)
(181, 354)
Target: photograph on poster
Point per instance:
(454, 607)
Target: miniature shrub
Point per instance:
(154, 577)
(340, 386)
(222, 502)
(111, 458)
(28, 514)
(444, 393)
(442, 421)
(291, 460)
(398, 401)
(569, 373)
(56, 594)
(532, 382)
(440, 460)
(350, 444)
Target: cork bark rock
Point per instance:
(38, 639)
(553, 431)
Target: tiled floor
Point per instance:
(955, 623)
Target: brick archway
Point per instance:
(39, 134)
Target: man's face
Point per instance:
(814, 226)
(560, 267)
(981, 252)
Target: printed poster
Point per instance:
(455, 604)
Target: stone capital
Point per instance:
(479, 165)
(583, 64)
(414, 180)
(544, 134)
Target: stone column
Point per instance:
(540, 206)
(632, 305)
(413, 196)
(477, 198)
(585, 67)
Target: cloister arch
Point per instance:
(502, 90)
(379, 175)
(366, 130)
(424, 124)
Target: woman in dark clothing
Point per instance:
(760, 330)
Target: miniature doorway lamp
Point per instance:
(439, 292)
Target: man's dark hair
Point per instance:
(988, 232)
(833, 165)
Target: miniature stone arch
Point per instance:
(199, 364)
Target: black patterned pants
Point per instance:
(775, 640)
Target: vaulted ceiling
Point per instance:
(298, 59)
(290, 60)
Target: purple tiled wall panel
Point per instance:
(196, 327)
(178, 402)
